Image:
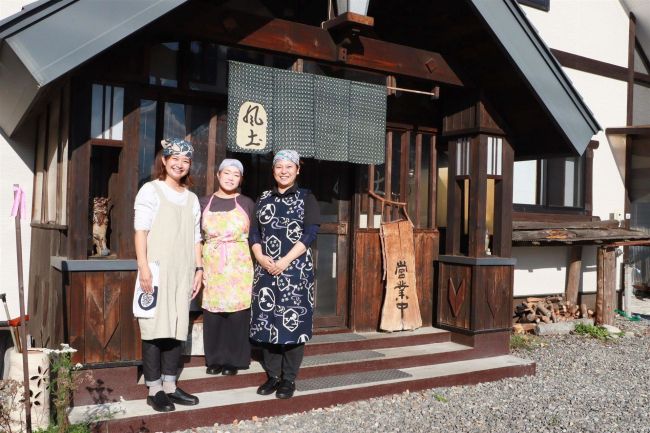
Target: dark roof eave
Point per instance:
(528, 52)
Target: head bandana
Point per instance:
(228, 162)
(287, 155)
(176, 146)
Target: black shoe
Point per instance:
(181, 397)
(160, 402)
(285, 389)
(213, 369)
(229, 371)
(269, 386)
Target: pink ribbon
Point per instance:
(18, 208)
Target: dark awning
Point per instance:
(50, 38)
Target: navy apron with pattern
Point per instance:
(283, 305)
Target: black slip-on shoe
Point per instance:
(213, 369)
(285, 389)
(160, 402)
(181, 397)
(229, 371)
(269, 386)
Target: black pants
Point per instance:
(282, 360)
(160, 356)
(225, 339)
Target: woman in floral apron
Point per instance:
(285, 225)
(228, 273)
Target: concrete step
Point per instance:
(109, 384)
(226, 405)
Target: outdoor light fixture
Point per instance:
(355, 6)
(350, 23)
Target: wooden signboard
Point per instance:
(401, 310)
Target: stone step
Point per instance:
(109, 384)
(195, 380)
(344, 341)
(224, 406)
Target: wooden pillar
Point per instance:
(605, 285)
(573, 272)
(474, 285)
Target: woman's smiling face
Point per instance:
(177, 166)
(229, 179)
(285, 173)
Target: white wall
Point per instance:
(18, 160)
(17, 164)
(542, 270)
(597, 29)
(10, 7)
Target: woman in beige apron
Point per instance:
(167, 216)
(228, 274)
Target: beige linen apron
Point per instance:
(171, 243)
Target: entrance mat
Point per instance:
(335, 338)
(350, 379)
(334, 358)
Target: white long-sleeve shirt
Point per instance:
(147, 204)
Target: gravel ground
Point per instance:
(582, 385)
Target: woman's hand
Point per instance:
(266, 262)
(279, 266)
(146, 279)
(198, 282)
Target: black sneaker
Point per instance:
(213, 369)
(160, 402)
(286, 389)
(269, 386)
(229, 371)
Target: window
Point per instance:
(552, 183)
(406, 176)
(107, 112)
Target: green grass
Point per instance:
(524, 342)
(592, 331)
(440, 398)
(74, 428)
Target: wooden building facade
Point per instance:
(97, 124)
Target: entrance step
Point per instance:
(226, 405)
(337, 368)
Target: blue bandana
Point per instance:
(229, 162)
(176, 146)
(287, 155)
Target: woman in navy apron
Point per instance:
(286, 223)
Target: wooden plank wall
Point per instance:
(101, 324)
(368, 287)
(477, 298)
(46, 303)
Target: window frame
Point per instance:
(522, 211)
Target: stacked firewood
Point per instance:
(550, 309)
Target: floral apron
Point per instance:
(283, 305)
(227, 263)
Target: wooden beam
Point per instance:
(596, 67)
(605, 285)
(573, 273)
(309, 42)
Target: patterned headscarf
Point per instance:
(287, 155)
(176, 146)
(229, 162)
